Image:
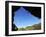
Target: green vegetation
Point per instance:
(21, 29)
(33, 27)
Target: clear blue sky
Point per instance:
(23, 18)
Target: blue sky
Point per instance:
(23, 18)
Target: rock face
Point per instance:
(36, 11)
(14, 27)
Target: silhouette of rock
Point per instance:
(14, 27)
(36, 11)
